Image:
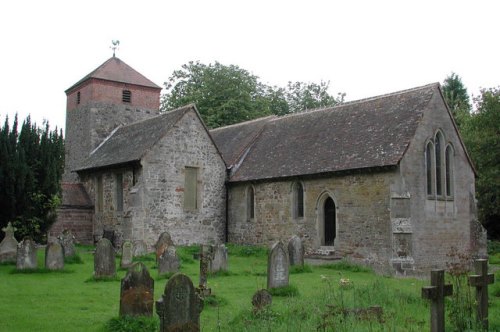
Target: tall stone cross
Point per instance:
(436, 293)
(481, 280)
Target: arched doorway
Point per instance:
(330, 222)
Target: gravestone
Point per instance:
(296, 251)
(218, 259)
(436, 293)
(277, 266)
(140, 248)
(136, 292)
(54, 256)
(104, 259)
(26, 255)
(8, 246)
(164, 241)
(110, 235)
(168, 261)
(67, 240)
(481, 280)
(126, 260)
(261, 299)
(180, 306)
(205, 257)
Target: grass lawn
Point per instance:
(71, 301)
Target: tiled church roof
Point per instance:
(368, 133)
(116, 70)
(129, 143)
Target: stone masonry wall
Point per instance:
(362, 215)
(78, 221)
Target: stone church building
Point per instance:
(384, 181)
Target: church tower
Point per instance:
(112, 95)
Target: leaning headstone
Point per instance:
(127, 255)
(296, 251)
(168, 261)
(67, 240)
(277, 266)
(26, 255)
(104, 259)
(136, 292)
(481, 280)
(436, 293)
(218, 261)
(205, 257)
(164, 241)
(180, 306)
(54, 256)
(140, 248)
(261, 299)
(8, 246)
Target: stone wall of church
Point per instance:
(88, 125)
(363, 228)
(434, 229)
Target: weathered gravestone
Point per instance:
(277, 266)
(481, 280)
(136, 292)
(127, 255)
(205, 257)
(164, 241)
(26, 255)
(180, 306)
(54, 256)
(436, 293)
(140, 248)
(296, 251)
(218, 259)
(67, 240)
(104, 259)
(168, 261)
(261, 299)
(8, 246)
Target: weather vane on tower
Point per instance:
(115, 43)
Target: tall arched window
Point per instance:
(429, 153)
(250, 203)
(439, 166)
(449, 170)
(298, 200)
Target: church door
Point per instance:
(330, 222)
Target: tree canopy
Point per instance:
(31, 166)
(229, 94)
(457, 98)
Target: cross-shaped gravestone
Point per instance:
(9, 230)
(481, 280)
(436, 293)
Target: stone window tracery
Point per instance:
(439, 158)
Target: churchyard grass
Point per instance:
(329, 298)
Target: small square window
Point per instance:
(126, 96)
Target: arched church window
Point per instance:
(449, 171)
(429, 153)
(250, 203)
(439, 163)
(298, 200)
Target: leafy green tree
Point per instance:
(229, 94)
(31, 166)
(482, 137)
(457, 98)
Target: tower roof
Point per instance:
(116, 70)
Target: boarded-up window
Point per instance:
(126, 96)
(119, 192)
(191, 188)
(100, 194)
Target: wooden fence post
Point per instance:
(436, 293)
(481, 280)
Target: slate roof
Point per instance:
(130, 143)
(116, 70)
(368, 133)
(75, 195)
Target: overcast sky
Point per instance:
(364, 48)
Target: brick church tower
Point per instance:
(112, 95)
